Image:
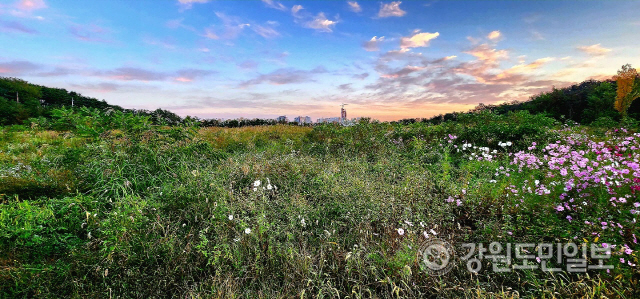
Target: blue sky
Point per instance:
(386, 59)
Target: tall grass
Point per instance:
(274, 212)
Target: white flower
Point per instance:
(256, 183)
(433, 232)
(509, 143)
(537, 182)
(230, 217)
(493, 181)
(269, 187)
(400, 231)
(426, 236)
(247, 230)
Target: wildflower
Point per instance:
(458, 202)
(230, 217)
(426, 236)
(508, 143)
(605, 245)
(538, 259)
(559, 208)
(537, 182)
(433, 232)
(256, 183)
(569, 218)
(269, 187)
(401, 231)
(622, 260)
(247, 230)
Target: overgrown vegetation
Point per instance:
(105, 204)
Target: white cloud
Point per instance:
(494, 35)
(391, 10)
(354, 6)
(372, 44)
(275, 5)
(418, 40)
(265, 31)
(295, 9)
(30, 5)
(187, 4)
(595, 50)
(536, 35)
(208, 33)
(321, 23)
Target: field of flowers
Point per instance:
(327, 212)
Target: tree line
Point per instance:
(588, 102)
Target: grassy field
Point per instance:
(323, 212)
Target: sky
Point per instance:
(387, 60)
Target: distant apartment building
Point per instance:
(302, 120)
(329, 120)
(282, 118)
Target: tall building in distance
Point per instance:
(341, 120)
(282, 118)
(301, 120)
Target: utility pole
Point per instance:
(17, 98)
(71, 101)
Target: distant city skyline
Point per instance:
(387, 60)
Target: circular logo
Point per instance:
(436, 256)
